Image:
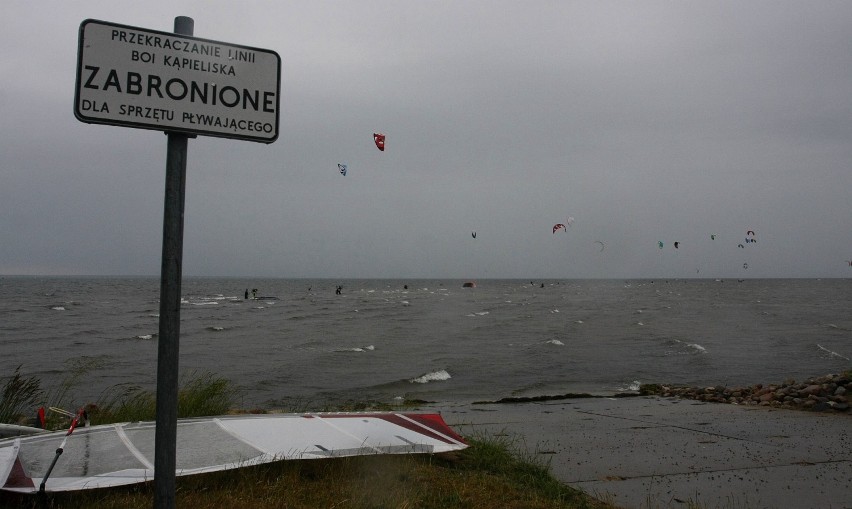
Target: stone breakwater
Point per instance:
(830, 393)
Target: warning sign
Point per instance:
(135, 77)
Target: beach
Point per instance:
(654, 452)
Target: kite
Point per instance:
(745, 265)
(563, 226)
(740, 246)
(601, 243)
(473, 234)
(660, 244)
(676, 244)
(342, 168)
(713, 236)
(379, 138)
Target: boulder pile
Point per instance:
(830, 393)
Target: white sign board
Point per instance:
(135, 77)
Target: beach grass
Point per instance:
(20, 395)
(491, 473)
(200, 394)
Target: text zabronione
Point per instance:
(177, 89)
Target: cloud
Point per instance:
(646, 122)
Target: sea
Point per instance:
(299, 345)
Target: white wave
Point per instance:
(632, 386)
(639, 323)
(145, 336)
(482, 313)
(359, 349)
(556, 342)
(579, 321)
(205, 303)
(554, 310)
(698, 348)
(694, 346)
(405, 303)
(58, 308)
(435, 376)
(833, 326)
(217, 328)
(831, 353)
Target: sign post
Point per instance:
(184, 86)
(165, 435)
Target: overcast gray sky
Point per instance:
(645, 121)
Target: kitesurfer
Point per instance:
(246, 297)
(338, 290)
(254, 293)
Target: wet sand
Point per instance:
(664, 452)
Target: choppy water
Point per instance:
(434, 340)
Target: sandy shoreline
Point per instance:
(667, 451)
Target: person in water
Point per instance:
(338, 290)
(246, 297)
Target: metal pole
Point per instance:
(165, 438)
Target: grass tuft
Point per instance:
(202, 394)
(19, 398)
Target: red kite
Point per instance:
(380, 141)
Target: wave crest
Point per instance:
(434, 376)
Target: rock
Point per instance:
(827, 394)
(811, 389)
